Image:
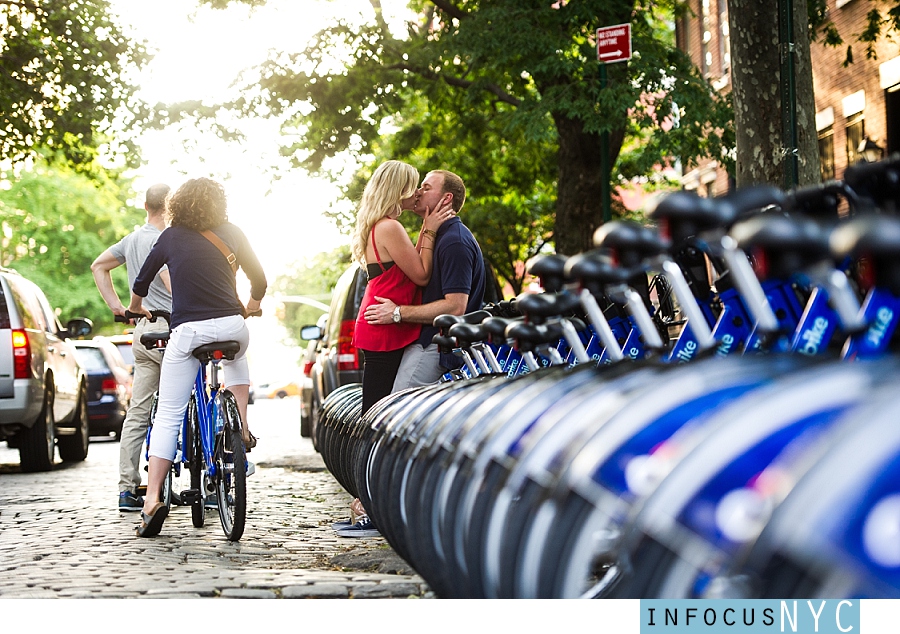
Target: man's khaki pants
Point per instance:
(145, 384)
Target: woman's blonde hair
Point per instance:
(391, 182)
(199, 204)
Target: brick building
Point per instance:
(853, 104)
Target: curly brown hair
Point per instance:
(199, 204)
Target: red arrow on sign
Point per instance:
(614, 43)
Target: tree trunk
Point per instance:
(756, 67)
(579, 201)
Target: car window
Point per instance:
(4, 310)
(91, 359)
(51, 323)
(127, 352)
(32, 315)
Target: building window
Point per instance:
(826, 153)
(856, 131)
(706, 37)
(724, 37)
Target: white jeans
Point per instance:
(179, 369)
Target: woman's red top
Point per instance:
(393, 284)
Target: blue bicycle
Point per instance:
(210, 442)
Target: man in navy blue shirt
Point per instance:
(456, 286)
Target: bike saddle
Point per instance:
(467, 334)
(877, 182)
(781, 245)
(683, 215)
(445, 344)
(495, 328)
(629, 242)
(443, 322)
(476, 317)
(746, 201)
(529, 336)
(537, 307)
(877, 240)
(152, 340)
(549, 269)
(819, 202)
(218, 350)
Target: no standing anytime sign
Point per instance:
(614, 43)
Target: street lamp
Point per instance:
(870, 151)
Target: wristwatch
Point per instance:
(396, 316)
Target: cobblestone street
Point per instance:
(61, 534)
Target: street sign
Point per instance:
(614, 43)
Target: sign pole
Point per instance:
(606, 193)
(613, 45)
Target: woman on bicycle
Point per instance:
(205, 309)
(396, 270)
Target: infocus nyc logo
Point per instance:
(813, 616)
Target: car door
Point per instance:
(61, 357)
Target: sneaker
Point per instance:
(363, 528)
(128, 501)
(251, 468)
(340, 525)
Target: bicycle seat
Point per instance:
(495, 328)
(151, 340)
(537, 307)
(878, 182)
(467, 334)
(528, 336)
(630, 242)
(443, 322)
(218, 350)
(781, 245)
(476, 317)
(683, 215)
(549, 268)
(594, 270)
(819, 201)
(875, 238)
(746, 201)
(445, 344)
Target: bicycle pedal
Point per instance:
(189, 496)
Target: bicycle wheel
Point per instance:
(195, 463)
(231, 470)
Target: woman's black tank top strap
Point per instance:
(374, 270)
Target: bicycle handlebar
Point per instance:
(129, 316)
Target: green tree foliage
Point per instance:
(519, 76)
(882, 19)
(313, 277)
(63, 79)
(55, 222)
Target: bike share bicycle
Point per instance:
(210, 443)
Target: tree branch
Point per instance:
(450, 9)
(490, 87)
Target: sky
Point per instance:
(198, 54)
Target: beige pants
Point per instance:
(146, 382)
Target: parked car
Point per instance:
(337, 361)
(43, 389)
(109, 385)
(123, 344)
(281, 389)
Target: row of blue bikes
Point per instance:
(709, 408)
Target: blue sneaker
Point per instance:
(363, 528)
(128, 501)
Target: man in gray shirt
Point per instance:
(131, 251)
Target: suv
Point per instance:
(337, 361)
(43, 389)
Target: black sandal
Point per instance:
(152, 524)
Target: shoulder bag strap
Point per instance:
(221, 246)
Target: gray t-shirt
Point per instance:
(132, 250)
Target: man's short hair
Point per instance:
(454, 185)
(155, 199)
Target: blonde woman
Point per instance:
(396, 269)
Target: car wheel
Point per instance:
(74, 448)
(282, 394)
(37, 448)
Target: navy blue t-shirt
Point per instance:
(202, 281)
(458, 268)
